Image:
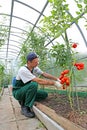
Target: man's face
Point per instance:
(34, 62)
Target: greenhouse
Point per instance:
(54, 34)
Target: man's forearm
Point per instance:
(43, 81)
(49, 76)
(47, 82)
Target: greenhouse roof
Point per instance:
(17, 15)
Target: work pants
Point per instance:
(29, 93)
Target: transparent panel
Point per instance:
(25, 13)
(5, 6)
(76, 37)
(38, 5)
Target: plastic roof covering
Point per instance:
(19, 14)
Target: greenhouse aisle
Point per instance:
(11, 118)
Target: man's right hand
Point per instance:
(58, 84)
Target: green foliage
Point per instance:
(62, 55)
(3, 35)
(3, 30)
(1, 75)
(36, 43)
(60, 19)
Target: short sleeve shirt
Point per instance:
(25, 74)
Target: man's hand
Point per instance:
(58, 80)
(58, 84)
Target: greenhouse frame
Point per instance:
(57, 32)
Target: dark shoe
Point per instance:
(31, 110)
(26, 112)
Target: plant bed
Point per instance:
(1, 91)
(61, 105)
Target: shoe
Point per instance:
(26, 112)
(30, 110)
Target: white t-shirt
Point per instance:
(25, 74)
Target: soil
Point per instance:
(61, 105)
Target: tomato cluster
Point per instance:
(65, 80)
(79, 66)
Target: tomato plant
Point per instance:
(65, 56)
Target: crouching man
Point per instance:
(25, 89)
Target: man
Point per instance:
(26, 90)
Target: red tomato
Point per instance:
(81, 65)
(61, 76)
(62, 73)
(63, 80)
(66, 71)
(67, 82)
(74, 45)
(78, 68)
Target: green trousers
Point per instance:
(29, 93)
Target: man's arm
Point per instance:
(43, 81)
(49, 76)
(47, 82)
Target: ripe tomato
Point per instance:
(74, 45)
(66, 71)
(61, 76)
(67, 82)
(63, 80)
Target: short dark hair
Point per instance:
(31, 56)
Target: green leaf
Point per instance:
(77, 12)
(85, 1)
(79, 5)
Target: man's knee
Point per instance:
(34, 85)
(46, 94)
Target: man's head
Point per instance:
(31, 56)
(32, 59)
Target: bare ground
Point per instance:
(61, 104)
